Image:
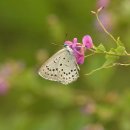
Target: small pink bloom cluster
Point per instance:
(79, 49)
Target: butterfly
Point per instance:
(61, 67)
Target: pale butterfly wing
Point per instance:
(49, 70)
(61, 67)
(67, 67)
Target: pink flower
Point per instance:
(87, 41)
(103, 3)
(79, 53)
(71, 44)
(79, 48)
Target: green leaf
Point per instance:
(120, 50)
(100, 48)
(110, 59)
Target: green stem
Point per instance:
(93, 71)
(105, 28)
(105, 52)
(107, 67)
(90, 55)
(109, 34)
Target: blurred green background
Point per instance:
(27, 102)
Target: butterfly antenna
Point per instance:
(56, 44)
(64, 40)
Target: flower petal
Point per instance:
(79, 54)
(68, 43)
(87, 41)
(75, 40)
